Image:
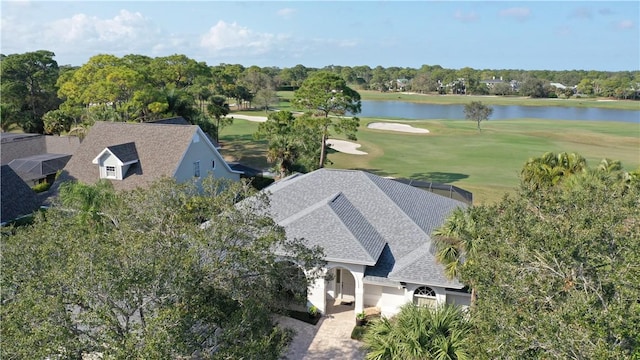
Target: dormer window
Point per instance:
(111, 171)
(114, 161)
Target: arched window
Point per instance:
(424, 296)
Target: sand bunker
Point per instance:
(249, 117)
(346, 147)
(397, 127)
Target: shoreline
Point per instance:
(449, 99)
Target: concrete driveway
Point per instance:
(330, 339)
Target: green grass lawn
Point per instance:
(486, 163)
(286, 96)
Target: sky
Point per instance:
(533, 35)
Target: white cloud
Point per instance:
(286, 12)
(625, 25)
(519, 13)
(465, 17)
(238, 39)
(125, 26)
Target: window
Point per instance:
(424, 296)
(196, 169)
(213, 164)
(111, 171)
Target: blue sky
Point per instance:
(541, 35)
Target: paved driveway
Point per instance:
(330, 339)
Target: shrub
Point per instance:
(358, 332)
(42, 187)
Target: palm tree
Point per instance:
(550, 169)
(420, 333)
(219, 109)
(454, 242)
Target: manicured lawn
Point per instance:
(239, 145)
(486, 163)
(489, 100)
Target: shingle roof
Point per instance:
(179, 120)
(39, 166)
(160, 148)
(339, 228)
(124, 152)
(17, 197)
(403, 216)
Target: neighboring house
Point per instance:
(558, 85)
(18, 199)
(37, 158)
(399, 84)
(376, 234)
(133, 155)
(490, 83)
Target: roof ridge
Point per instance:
(374, 257)
(311, 208)
(147, 123)
(412, 256)
(369, 175)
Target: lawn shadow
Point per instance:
(439, 177)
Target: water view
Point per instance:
(414, 111)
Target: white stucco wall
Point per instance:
(459, 299)
(388, 299)
(316, 295)
(202, 150)
(321, 289)
(391, 300)
(372, 295)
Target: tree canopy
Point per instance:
(478, 112)
(28, 89)
(326, 94)
(553, 267)
(292, 142)
(135, 275)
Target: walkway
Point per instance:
(330, 339)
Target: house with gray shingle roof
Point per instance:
(36, 158)
(376, 234)
(18, 199)
(133, 155)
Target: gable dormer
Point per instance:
(114, 161)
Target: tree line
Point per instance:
(40, 96)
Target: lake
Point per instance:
(415, 111)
